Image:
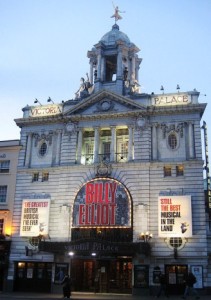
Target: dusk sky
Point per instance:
(44, 44)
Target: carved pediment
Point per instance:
(104, 102)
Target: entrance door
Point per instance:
(103, 276)
(176, 275)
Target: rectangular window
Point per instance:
(180, 170)
(167, 171)
(35, 177)
(1, 226)
(3, 193)
(89, 153)
(45, 176)
(4, 166)
(106, 151)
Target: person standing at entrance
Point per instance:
(163, 287)
(189, 289)
(66, 286)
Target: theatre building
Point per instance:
(110, 184)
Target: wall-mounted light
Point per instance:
(94, 254)
(146, 236)
(50, 100)
(71, 253)
(37, 101)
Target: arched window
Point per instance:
(172, 141)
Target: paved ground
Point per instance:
(84, 296)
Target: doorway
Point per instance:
(176, 275)
(102, 276)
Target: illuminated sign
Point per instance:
(45, 110)
(174, 216)
(34, 218)
(102, 202)
(169, 100)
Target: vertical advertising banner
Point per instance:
(174, 216)
(35, 217)
(102, 202)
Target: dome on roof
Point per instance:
(114, 35)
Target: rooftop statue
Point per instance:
(116, 14)
(84, 87)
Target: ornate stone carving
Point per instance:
(179, 128)
(103, 169)
(43, 136)
(105, 105)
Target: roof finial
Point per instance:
(116, 14)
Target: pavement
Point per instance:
(84, 296)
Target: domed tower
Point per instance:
(114, 63)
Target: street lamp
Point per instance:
(146, 236)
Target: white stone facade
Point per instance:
(115, 133)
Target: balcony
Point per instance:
(88, 159)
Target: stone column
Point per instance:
(130, 143)
(96, 145)
(58, 148)
(113, 144)
(133, 67)
(91, 72)
(28, 150)
(79, 148)
(119, 63)
(99, 66)
(190, 139)
(154, 142)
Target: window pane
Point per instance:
(4, 166)
(45, 176)
(3, 193)
(43, 149)
(172, 141)
(167, 171)
(180, 170)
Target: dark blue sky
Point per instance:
(44, 46)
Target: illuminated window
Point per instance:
(167, 171)
(35, 177)
(180, 170)
(43, 149)
(4, 166)
(45, 176)
(3, 193)
(1, 226)
(172, 141)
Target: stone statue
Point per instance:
(83, 88)
(116, 14)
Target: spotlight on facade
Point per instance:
(50, 100)
(37, 101)
(146, 236)
(71, 253)
(94, 254)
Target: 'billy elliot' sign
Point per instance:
(102, 202)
